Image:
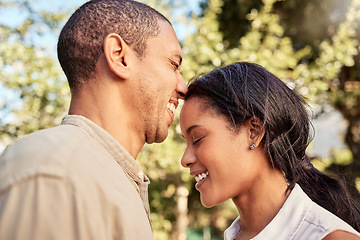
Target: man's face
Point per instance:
(159, 84)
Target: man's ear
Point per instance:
(115, 50)
(257, 130)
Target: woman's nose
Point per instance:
(188, 158)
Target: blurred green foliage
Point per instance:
(37, 91)
(312, 45)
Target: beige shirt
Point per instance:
(73, 181)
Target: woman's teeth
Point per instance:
(171, 107)
(201, 176)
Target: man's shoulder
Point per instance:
(42, 144)
(65, 152)
(46, 152)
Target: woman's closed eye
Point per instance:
(197, 140)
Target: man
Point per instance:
(80, 180)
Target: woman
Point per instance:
(246, 134)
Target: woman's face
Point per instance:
(219, 158)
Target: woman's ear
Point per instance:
(115, 51)
(257, 130)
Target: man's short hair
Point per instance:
(81, 39)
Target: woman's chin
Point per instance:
(208, 204)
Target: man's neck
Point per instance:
(108, 113)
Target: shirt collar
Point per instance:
(130, 166)
(123, 157)
(231, 232)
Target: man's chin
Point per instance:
(159, 137)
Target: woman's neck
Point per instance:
(261, 204)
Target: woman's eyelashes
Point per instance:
(196, 140)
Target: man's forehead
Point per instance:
(168, 32)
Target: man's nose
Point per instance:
(181, 88)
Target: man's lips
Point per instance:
(171, 106)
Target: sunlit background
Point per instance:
(312, 45)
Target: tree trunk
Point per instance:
(347, 101)
(182, 209)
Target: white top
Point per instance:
(299, 218)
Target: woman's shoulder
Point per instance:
(326, 224)
(317, 222)
(340, 235)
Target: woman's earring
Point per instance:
(252, 146)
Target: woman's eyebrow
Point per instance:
(188, 131)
